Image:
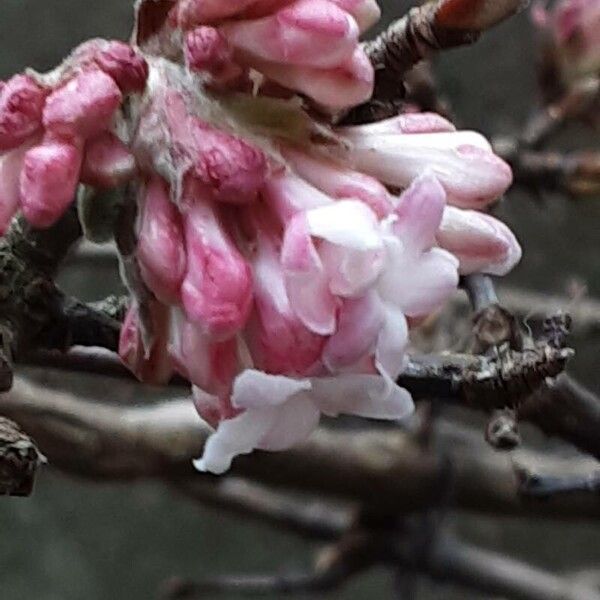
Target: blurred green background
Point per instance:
(74, 540)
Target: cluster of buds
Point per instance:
(573, 30)
(57, 130)
(310, 46)
(284, 261)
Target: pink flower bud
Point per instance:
(107, 162)
(575, 28)
(231, 168)
(213, 408)
(479, 241)
(124, 65)
(278, 340)
(313, 33)
(336, 88)
(190, 13)
(161, 245)
(48, 181)
(217, 289)
(365, 12)
(207, 51)
(83, 107)
(209, 365)
(463, 161)
(425, 122)
(339, 182)
(150, 365)
(10, 171)
(21, 105)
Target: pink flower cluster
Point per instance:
(284, 273)
(574, 27)
(286, 276)
(56, 130)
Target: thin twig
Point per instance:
(448, 560)
(425, 30)
(19, 460)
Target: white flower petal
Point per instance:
(392, 342)
(348, 223)
(369, 396)
(255, 389)
(292, 423)
(233, 437)
(418, 285)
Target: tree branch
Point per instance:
(312, 519)
(384, 468)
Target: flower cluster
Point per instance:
(283, 260)
(574, 28)
(56, 130)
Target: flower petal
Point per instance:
(255, 389)
(233, 437)
(419, 213)
(359, 323)
(418, 285)
(348, 223)
(392, 342)
(370, 396)
(306, 281)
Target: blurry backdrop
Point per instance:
(74, 540)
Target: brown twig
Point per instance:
(579, 102)
(574, 173)
(19, 460)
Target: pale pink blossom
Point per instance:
(191, 13)
(280, 412)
